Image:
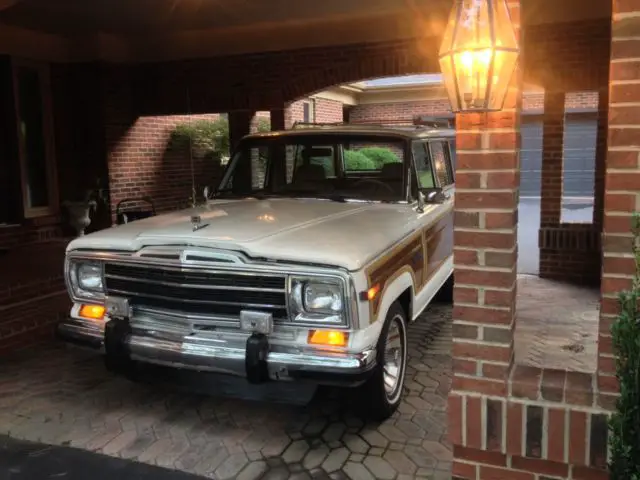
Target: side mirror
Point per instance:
(433, 195)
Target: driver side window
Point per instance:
(423, 165)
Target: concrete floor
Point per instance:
(557, 325)
(65, 397)
(574, 210)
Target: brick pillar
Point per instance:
(552, 157)
(239, 125)
(551, 181)
(485, 256)
(622, 175)
(568, 251)
(278, 121)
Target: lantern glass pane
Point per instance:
(505, 33)
(472, 71)
(503, 68)
(449, 81)
(473, 30)
(447, 39)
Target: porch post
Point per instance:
(277, 119)
(485, 256)
(622, 176)
(239, 125)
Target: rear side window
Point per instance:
(423, 165)
(441, 163)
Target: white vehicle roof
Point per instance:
(400, 131)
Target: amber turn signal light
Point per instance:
(328, 338)
(94, 312)
(370, 294)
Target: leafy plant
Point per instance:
(206, 136)
(263, 124)
(209, 136)
(625, 422)
(356, 160)
(379, 156)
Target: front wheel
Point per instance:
(382, 392)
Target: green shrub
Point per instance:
(263, 124)
(207, 135)
(356, 160)
(625, 422)
(380, 156)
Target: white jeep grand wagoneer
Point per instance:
(307, 262)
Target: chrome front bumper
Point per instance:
(229, 357)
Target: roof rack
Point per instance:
(433, 122)
(410, 124)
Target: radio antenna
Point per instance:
(192, 166)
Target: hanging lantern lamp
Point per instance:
(478, 56)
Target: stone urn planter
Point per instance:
(79, 214)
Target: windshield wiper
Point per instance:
(335, 198)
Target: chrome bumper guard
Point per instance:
(281, 363)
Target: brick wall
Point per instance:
(533, 103)
(32, 294)
(146, 165)
(326, 111)
(569, 251)
(270, 80)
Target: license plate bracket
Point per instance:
(256, 322)
(117, 307)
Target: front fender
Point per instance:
(390, 293)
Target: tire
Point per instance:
(380, 402)
(445, 294)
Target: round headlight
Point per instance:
(90, 277)
(322, 298)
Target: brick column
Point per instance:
(552, 157)
(278, 121)
(568, 251)
(239, 125)
(485, 255)
(622, 176)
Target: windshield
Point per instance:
(336, 167)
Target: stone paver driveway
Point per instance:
(65, 397)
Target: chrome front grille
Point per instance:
(196, 294)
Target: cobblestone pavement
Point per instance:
(65, 397)
(557, 325)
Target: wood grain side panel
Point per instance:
(439, 241)
(420, 255)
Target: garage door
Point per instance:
(530, 157)
(579, 156)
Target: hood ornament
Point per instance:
(196, 223)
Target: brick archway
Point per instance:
(365, 63)
(269, 80)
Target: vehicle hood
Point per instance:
(297, 230)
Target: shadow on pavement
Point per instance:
(20, 460)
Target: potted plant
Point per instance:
(79, 211)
